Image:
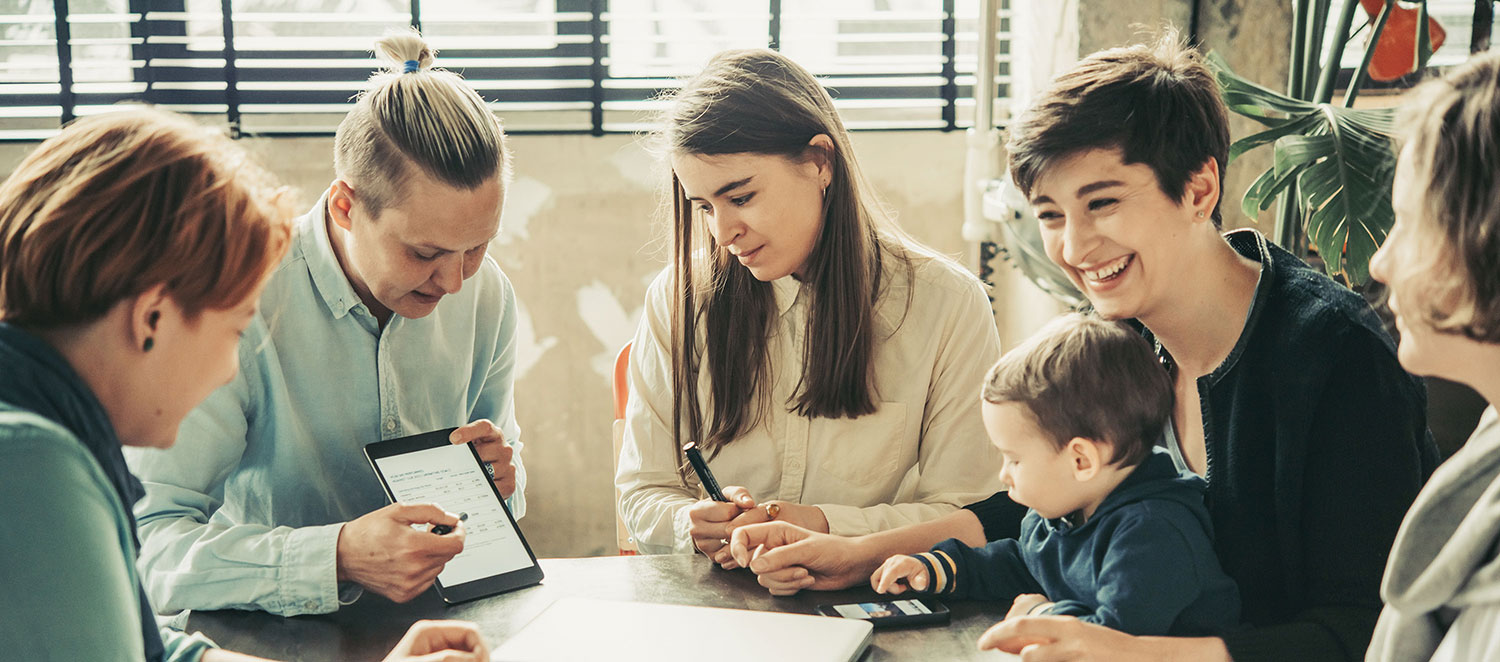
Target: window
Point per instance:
(1456, 17)
(292, 67)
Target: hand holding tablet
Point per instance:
(390, 551)
(427, 468)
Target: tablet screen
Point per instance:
(450, 477)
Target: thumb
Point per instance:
(422, 513)
(739, 496)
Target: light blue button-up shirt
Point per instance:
(245, 510)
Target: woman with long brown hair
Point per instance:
(823, 361)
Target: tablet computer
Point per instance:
(427, 468)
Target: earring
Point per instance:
(1200, 214)
(152, 320)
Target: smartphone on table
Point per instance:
(890, 613)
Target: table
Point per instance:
(366, 630)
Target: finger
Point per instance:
(785, 556)
(458, 635)
(441, 548)
(746, 518)
(480, 429)
(447, 656)
(791, 587)
(421, 513)
(739, 496)
(890, 574)
(1013, 635)
(917, 579)
(506, 485)
(739, 549)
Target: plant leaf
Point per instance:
(1270, 135)
(1424, 37)
(1345, 194)
(1263, 192)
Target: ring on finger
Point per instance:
(489, 468)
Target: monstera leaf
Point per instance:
(1341, 159)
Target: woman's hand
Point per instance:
(788, 558)
(709, 521)
(440, 641)
(1025, 604)
(1067, 639)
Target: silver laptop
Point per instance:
(585, 629)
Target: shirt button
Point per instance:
(390, 425)
(310, 605)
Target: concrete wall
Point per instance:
(581, 240)
(1254, 36)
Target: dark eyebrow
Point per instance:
(727, 187)
(1082, 190)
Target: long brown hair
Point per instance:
(758, 101)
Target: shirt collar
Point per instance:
(788, 290)
(327, 276)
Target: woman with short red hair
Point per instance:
(133, 249)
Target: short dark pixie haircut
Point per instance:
(1083, 376)
(1157, 103)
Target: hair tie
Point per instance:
(412, 66)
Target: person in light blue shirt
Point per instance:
(385, 319)
(134, 246)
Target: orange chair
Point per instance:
(622, 395)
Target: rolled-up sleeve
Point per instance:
(190, 560)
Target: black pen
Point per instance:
(706, 477)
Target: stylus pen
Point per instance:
(706, 477)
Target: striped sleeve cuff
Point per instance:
(940, 568)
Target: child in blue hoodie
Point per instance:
(1116, 535)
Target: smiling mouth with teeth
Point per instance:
(1109, 271)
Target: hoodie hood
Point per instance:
(1156, 477)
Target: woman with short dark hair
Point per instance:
(1290, 400)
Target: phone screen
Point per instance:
(873, 610)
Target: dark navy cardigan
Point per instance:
(1317, 444)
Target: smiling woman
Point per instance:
(824, 361)
(1289, 398)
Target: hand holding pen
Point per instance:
(713, 520)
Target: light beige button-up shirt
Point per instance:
(922, 454)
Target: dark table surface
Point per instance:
(367, 629)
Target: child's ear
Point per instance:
(1087, 457)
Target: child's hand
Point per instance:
(1026, 604)
(898, 573)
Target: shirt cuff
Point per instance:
(182, 647)
(517, 501)
(309, 580)
(845, 520)
(349, 592)
(682, 540)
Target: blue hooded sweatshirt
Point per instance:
(1144, 564)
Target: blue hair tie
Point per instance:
(411, 66)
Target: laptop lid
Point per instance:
(587, 629)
